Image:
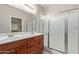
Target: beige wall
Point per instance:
(6, 12)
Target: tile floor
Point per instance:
(49, 51)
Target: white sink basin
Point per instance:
(4, 37)
(21, 35)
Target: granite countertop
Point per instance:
(6, 39)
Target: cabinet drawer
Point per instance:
(39, 37)
(7, 46)
(11, 45)
(30, 42)
(38, 41)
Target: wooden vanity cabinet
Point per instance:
(33, 45)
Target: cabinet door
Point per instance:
(21, 49)
(34, 45)
(29, 45)
(39, 44)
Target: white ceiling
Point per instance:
(30, 8)
(54, 8)
(48, 8)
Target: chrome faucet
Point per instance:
(11, 35)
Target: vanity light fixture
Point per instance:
(31, 6)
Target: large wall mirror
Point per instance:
(16, 24)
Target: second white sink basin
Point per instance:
(21, 35)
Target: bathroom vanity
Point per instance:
(19, 44)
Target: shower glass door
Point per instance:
(46, 29)
(57, 32)
(73, 31)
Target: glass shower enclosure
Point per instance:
(61, 30)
